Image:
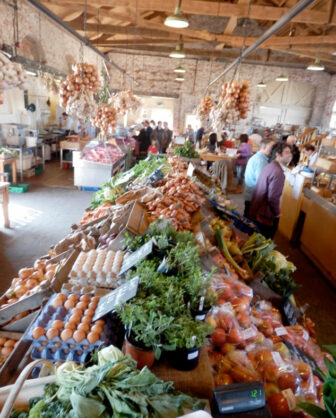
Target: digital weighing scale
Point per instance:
(240, 400)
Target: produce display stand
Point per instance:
(241, 295)
(199, 381)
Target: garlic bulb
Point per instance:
(12, 74)
(125, 100)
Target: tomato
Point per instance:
(235, 336)
(218, 337)
(223, 379)
(244, 320)
(288, 381)
(226, 348)
(304, 370)
(271, 372)
(212, 322)
(264, 357)
(278, 405)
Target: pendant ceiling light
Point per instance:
(282, 77)
(316, 66)
(261, 84)
(179, 69)
(177, 20)
(178, 51)
(179, 78)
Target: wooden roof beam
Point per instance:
(213, 8)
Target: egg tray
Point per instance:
(57, 350)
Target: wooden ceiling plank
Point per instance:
(213, 8)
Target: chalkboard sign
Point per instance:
(113, 299)
(300, 355)
(289, 313)
(137, 256)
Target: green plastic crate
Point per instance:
(18, 187)
(39, 169)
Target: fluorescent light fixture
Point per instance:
(316, 66)
(261, 84)
(179, 69)
(177, 20)
(282, 77)
(178, 52)
(33, 73)
(179, 78)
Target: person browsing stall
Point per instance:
(265, 203)
(243, 154)
(254, 167)
(291, 139)
(312, 154)
(153, 148)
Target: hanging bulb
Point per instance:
(178, 20)
(178, 52)
(316, 66)
(179, 78)
(282, 77)
(261, 84)
(179, 69)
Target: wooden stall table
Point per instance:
(5, 200)
(12, 162)
(199, 381)
(70, 145)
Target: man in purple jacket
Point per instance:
(265, 204)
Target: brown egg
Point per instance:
(5, 351)
(73, 297)
(86, 320)
(97, 328)
(9, 343)
(81, 305)
(93, 305)
(57, 302)
(37, 332)
(92, 337)
(79, 336)
(85, 298)
(62, 296)
(58, 324)
(100, 322)
(77, 311)
(52, 333)
(70, 325)
(66, 334)
(95, 299)
(2, 340)
(75, 318)
(83, 327)
(69, 304)
(89, 312)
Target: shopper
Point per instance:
(190, 134)
(199, 136)
(295, 150)
(243, 154)
(167, 137)
(265, 204)
(158, 134)
(254, 140)
(142, 139)
(254, 167)
(312, 154)
(152, 124)
(153, 148)
(148, 130)
(211, 146)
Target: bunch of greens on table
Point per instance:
(146, 167)
(113, 387)
(186, 150)
(261, 256)
(109, 193)
(329, 389)
(152, 317)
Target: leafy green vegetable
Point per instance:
(186, 150)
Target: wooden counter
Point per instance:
(318, 238)
(198, 382)
(215, 157)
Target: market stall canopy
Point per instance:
(216, 28)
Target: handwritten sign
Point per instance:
(137, 256)
(288, 313)
(156, 176)
(113, 299)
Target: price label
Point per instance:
(288, 312)
(190, 170)
(113, 299)
(281, 331)
(289, 395)
(278, 359)
(305, 335)
(137, 256)
(193, 355)
(249, 333)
